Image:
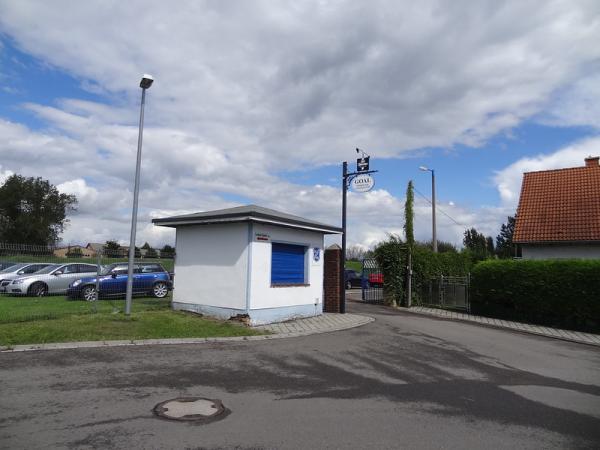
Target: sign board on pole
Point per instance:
(362, 183)
(362, 164)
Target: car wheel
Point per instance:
(160, 290)
(348, 285)
(37, 290)
(89, 293)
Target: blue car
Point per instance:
(148, 279)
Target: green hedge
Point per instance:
(391, 257)
(561, 293)
(428, 265)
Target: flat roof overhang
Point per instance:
(176, 222)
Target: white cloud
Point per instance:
(578, 104)
(301, 81)
(246, 89)
(4, 174)
(80, 189)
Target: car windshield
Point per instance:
(47, 269)
(13, 268)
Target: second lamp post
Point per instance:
(427, 169)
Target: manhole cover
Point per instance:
(191, 409)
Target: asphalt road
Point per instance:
(403, 381)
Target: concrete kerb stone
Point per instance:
(512, 326)
(297, 331)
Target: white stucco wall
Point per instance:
(262, 294)
(589, 251)
(211, 265)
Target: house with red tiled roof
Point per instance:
(559, 213)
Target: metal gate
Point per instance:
(446, 292)
(371, 282)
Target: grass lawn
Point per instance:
(34, 320)
(354, 265)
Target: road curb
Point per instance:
(361, 320)
(500, 327)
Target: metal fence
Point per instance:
(445, 292)
(372, 282)
(91, 272)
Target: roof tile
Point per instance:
(559, 206)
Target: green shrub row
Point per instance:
(560, 293)
(392, 258)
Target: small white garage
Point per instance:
(249, 261)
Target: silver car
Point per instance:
(17, 271)
(54, 279)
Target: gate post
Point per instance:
(332, 280)
(409, 280)
(442, 291)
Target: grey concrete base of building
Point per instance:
(255, 317)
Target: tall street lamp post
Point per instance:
(145, 83)
(426, 169)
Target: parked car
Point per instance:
(6, 264)
(148, 279)
(52, 279)
(374, 280)
(18, 270)
(353, 279)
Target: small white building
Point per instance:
(248, 261)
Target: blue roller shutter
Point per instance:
(287, 264)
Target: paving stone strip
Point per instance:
(554, 333)
(325, 323)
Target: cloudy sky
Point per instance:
(260, 102)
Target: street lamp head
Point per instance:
(424, 169)
(147, 81)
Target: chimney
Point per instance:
(592, 161)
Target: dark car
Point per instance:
(148, 279)
(352, 279)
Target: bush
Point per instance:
(562, 293)
(391, 257)
(428, 265)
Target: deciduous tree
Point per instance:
(478, 244)
(150, 252)
(33, 211)
(167, 252)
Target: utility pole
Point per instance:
(434, 234)
(435, 246)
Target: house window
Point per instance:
(287, 264)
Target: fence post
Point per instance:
(467, 292)
(409, 281)
(99, 269)
(441, 290)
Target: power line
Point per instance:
(439, 209)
